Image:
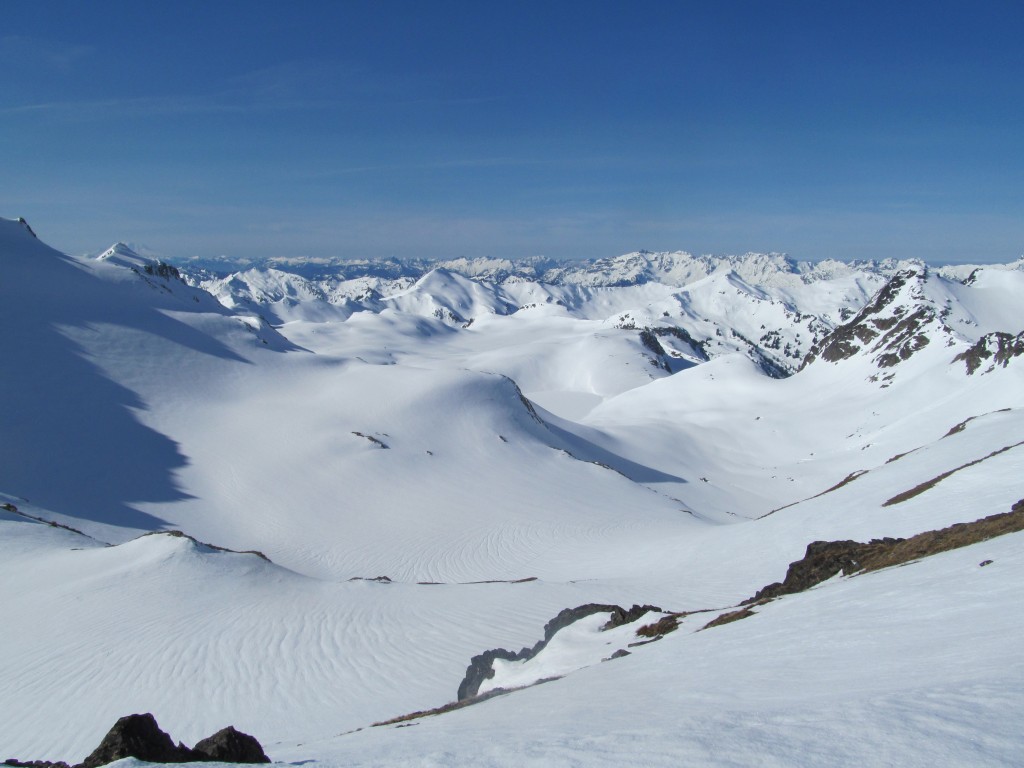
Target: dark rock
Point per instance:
(160, 269)
(904, 339)
(620, 616)
(481, 667)
(983, 563)
(698, 347)
(230, 746)
(649, 340)
(372, 439)
(900, 333)
(140, 737)
(999, 347)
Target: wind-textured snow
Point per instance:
(653, 429)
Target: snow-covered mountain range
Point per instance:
(397, 467)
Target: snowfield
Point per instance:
(381, 470)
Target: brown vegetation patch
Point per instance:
(956, 428)
(728, 618)
(899, 456)
(450, 707)
(661, 627)
(953, 537)
(825, 559)
(921, 488)
(845, 481)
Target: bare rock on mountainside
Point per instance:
(998, 346)
(140, 737)
(892, 324)
(230, 746)
(481, 667)
(137, 736)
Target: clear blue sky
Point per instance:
(256, 129)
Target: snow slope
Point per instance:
(913, 667)
(458, 434)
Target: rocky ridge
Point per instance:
(139, 736)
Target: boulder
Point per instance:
(140, 737)
(230, 746)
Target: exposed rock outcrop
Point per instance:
(230, 746)
(893, 325)
(998, 347)
(481, 667)
(140, 737)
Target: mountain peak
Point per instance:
(118, 249)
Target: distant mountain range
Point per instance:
(768, 307)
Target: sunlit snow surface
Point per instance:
(133, 402)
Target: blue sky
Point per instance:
(255, 129)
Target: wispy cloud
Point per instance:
(270, 89)
(438, 165)
(33, 53)
(291, 86)
(155, 106)
(320, 81)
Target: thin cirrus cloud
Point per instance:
(439, 165)
(147, 106)
(328, 84)
(291, 86)
(32, 53)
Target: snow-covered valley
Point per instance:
(436, 459)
